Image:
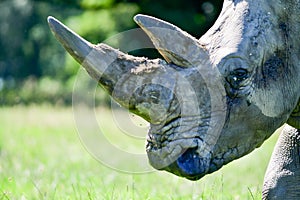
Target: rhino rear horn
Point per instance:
(174, 44)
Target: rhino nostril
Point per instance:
(190, 163)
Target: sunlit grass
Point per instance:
(42, 157)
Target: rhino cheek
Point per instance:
(242, 134)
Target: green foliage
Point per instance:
(29, 50)
(104, 23)
(49, 90)
(96, 3)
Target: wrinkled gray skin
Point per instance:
(211, 100)
(283, 174)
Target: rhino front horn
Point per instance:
(73, 43)
(94, 58)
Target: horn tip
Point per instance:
(140, 19)
(53, 23)
(51, 20)
(146, 21)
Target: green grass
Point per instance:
(42, 157)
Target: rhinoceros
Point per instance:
(213, 100)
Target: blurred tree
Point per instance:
(28, 48)
(192, 16)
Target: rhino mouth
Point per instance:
(186, 152)
(191, 162)
(185, 162)
(182, 153)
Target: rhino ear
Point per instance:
(174, 44)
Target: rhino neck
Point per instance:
(254, 25)
(258, 33)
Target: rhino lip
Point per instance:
(190, 165)
(181, 160)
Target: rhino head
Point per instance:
(210, 101)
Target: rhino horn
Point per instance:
(134, 82)
(78, 47)
(94, 58)
(174, 44)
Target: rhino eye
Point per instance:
(236, 77)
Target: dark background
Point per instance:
(35, 69)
